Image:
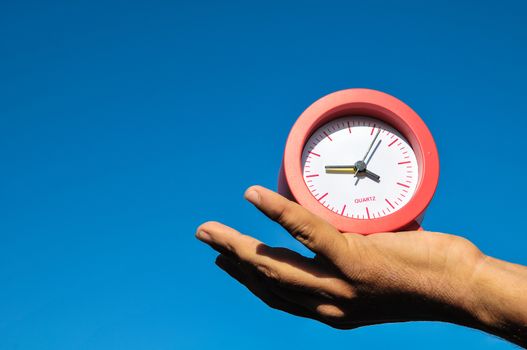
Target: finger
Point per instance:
(325, 307)
(278, 265)
(315, 233)
(294, 271)
(259, 290)
(228, 241)
(294, 302)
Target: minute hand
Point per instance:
(371, 144)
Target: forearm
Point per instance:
(497, 299)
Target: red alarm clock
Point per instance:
(362, 160)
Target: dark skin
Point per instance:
(357, 280)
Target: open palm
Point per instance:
(353, 280)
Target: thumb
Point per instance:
(310, 230)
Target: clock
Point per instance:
(362, 160)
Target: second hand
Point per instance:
(367, 152)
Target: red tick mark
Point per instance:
(330, 139)
(314, 175)
(387, 201)
(407, 162)
(368, 212)
(394, 141)
(343, 208)
(323, 196)
(400, 184)
(318, 155)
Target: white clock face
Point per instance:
(360, 167)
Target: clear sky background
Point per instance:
(125, 124)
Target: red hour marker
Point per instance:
(394, 141)
(400, 184)
(349, 127)
(368, 212)
(407, 162)
(387, 201)
(315, 154)
(343, 208)
(323, 196)
(314, 175)
(373, 129)
(325, 133)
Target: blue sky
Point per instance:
(125, 124)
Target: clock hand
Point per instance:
(350, 169)
(373, 152)
(371, 144)
(364, 165)
(372, 175)
(366, 155)
(359, 167)
(340, 169)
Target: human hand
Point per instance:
(354, 280)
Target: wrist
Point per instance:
(436, 288)
(452, 285)
(498, 299)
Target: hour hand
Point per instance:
(341, 169)
(372, 175)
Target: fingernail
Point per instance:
(252, 196)
(203, 236)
